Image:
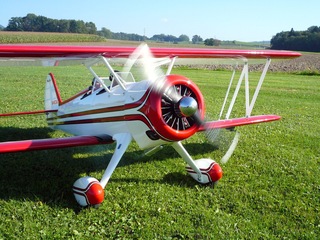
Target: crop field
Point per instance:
(11, 37)
(270, 188)
(46, 37)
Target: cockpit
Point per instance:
(106, 79)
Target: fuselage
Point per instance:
(149, 117)
(102, 112)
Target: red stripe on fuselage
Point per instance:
(141, 115)
(105, 110)
(131, 117)
(26, 113)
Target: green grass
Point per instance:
(270, 188)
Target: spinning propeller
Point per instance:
(179, 104)
(180, 99)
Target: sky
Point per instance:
(246, 20)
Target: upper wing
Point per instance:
(235, 122)
(42, 144)
(42, 51)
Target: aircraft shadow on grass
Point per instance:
(48, 175)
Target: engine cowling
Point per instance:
(167, 115)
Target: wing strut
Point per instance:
(228, 91)
(244, 76)
(255, 95)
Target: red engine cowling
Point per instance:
(167, 123)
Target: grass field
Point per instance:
(270, 188)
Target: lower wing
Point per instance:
(42, 144)
(235, 122)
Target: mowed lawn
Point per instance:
(270, 188)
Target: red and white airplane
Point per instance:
(154, 109)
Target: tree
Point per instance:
(15, 24)
(314, 29)
(29, 22)
(208, 42)
(308, 40)
(183, 38)
(91, 28)
(196, 39)
(34, 23)
(79, 26)
(63, 26)
(212, 42)
(104, 32)
(164, 38)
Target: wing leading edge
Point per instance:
(45, 51)
(43, 144)
(236, 122)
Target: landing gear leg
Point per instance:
(186, 157)
(89, 191)
(123, 140)
(202, 170)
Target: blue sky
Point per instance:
(246, 20)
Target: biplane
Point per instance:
(154, 108)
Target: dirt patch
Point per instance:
(308, 62)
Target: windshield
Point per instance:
(140, 65)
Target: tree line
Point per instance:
(35, 23)
(308, 40)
